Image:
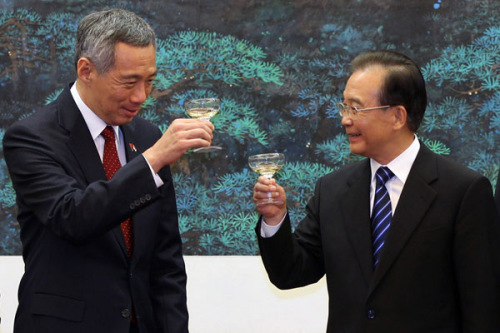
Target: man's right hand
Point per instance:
(273, 213)
(181, 135)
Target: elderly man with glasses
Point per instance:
(409, 240)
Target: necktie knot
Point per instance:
(383, 174)
(108, 133)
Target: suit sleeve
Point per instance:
(497, 192)
(50, 185)
(294, 259)
(168, 274)
(476, 258)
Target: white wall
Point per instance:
(11, 270)
(229, 294)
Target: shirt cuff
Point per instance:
(267, 231)
(158, 181)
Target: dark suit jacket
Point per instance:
(78, 276)
(497, 192)
(438, 271)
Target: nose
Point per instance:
(346, 120)
(139, 94)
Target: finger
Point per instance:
(265, 194)
(208, 124)
(263, 180)
(181, 132)
(198, 133)
(260, 187)
(186, 124)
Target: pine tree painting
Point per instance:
(279, 68)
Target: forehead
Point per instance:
(131, 60)
(364, 85)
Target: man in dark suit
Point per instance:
(80, 275)
(429, 262)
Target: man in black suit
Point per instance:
(80, 276)
(429, 262)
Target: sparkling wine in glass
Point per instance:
(203, 108)
(267, 165)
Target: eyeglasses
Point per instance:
(352, 111)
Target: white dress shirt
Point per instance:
(400, 166)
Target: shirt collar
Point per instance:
(95, 124)
(402, 164)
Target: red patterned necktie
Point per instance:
(112, 164)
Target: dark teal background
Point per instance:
(279, 68)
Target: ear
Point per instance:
(400, 116)
(85, 70)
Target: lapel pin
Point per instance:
(132, 147)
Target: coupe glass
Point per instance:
(267, 165)
(203, 108)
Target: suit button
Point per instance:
(371, 314)
(126, 313)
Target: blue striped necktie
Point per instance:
(381, 213)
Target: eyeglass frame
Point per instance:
(353, 110)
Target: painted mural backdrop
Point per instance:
(279, 68)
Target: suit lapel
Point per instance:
(80, 141)
(355, 207)
(82, 146)
(132, 145)
(414, 202)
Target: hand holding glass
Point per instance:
(203, 108)
(267, 165)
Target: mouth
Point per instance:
(134, 111)
(353, 137)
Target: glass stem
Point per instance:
(269, 194)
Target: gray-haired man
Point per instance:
(84, 273)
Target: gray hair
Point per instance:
(99, 32)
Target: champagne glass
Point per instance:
(267, 165)
(203, 108)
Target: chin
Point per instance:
(126, 118)
(360, 152)
(355, 149)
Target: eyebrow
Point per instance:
(136, 76)
(355, 100)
